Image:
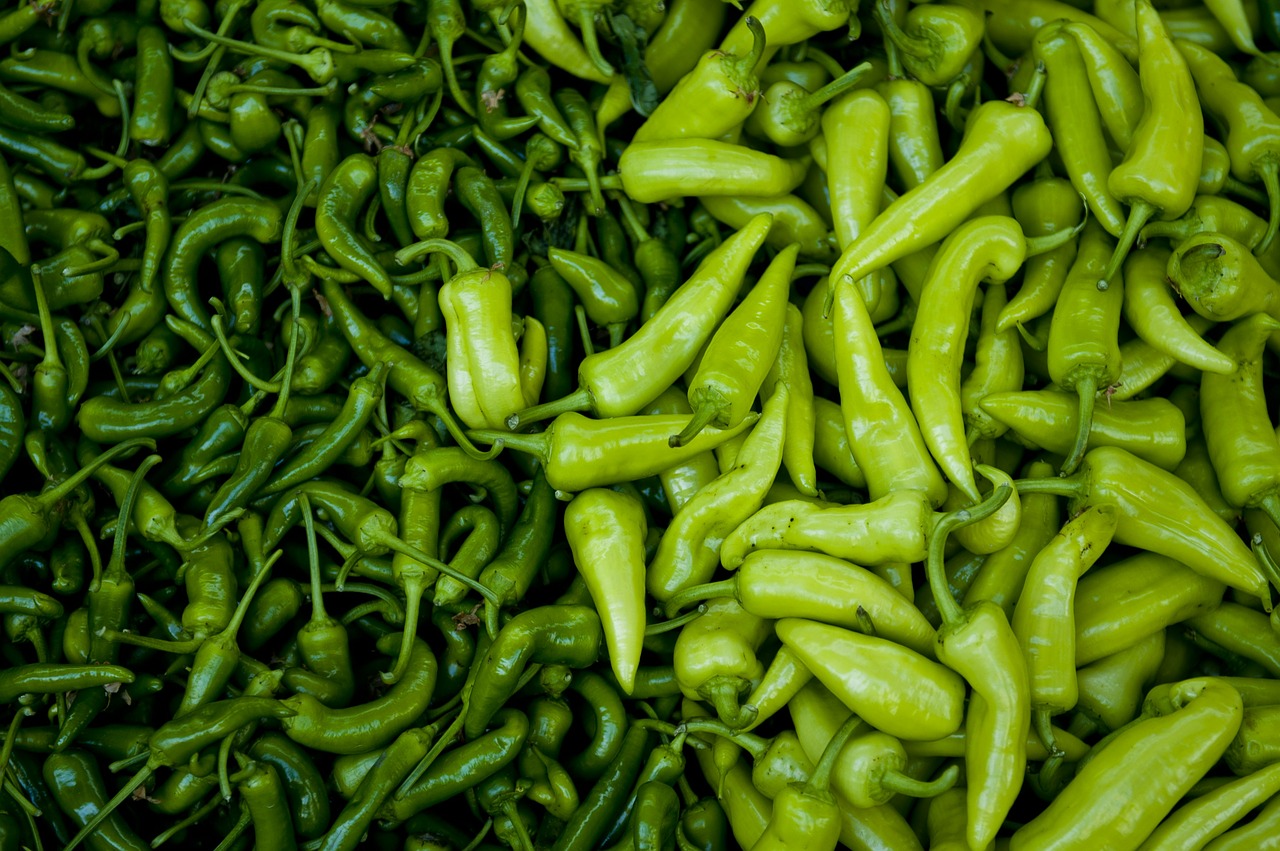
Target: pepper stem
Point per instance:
(1270, 174)
(1057, 239)
(833, 89)
(159, 644)
(1042, 721)
(752, 743)
(1266, 561)
(459, 255)
(414, 586)
(897, 782)
(1240, 189)
(703, 415)
(578, 400)
(820, 779)
(912, 45)
(935, 568)
(1087, 389)
(673, 623)
(491, 600)
(698, 593)
(63, 489)
(314, 63)
(590, 41)
(722, 693)
(463, 437)
(1031, 97)
(1140, 212)
(745, 65)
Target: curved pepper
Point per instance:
(987, 163)
(1185, 729)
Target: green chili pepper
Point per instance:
(1201, 714)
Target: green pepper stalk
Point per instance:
(712, 99)
(1162, 165)
(792, 115)
(1160, 513)
(182, 738)
(786, 23)
(736, 360)
(980, 645)
(715, 659)
(623, 379)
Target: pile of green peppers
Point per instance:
(455, 425)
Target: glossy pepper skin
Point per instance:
(1160, 171)
(1142, 493)
(982, 169)
(893, 688)
(1253, 130)
(606, 531)
(1186, 727)
(687, 553)
(1237, 428)
(563, 635)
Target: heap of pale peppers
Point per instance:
(443, 424)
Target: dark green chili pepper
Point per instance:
(54, 678)
(77, 786)
(149, 121)
(462, 767)
(303, 783)
(480, 197)
(366, 393)
(533, 90)
(425, 388)
(497, 74)
(559, 635)
(589, 152)
(106, 420)
(429, 183)
(343, 195)
(214, 223)
(607, 798)
(262, 794)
